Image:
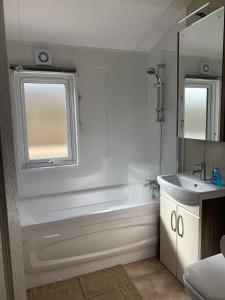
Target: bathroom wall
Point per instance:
(169, 74)
(167, 47)
(169, 158)
(119, 138)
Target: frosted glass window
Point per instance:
(46, 118)
(195, 113)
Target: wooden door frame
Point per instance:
(12, 283)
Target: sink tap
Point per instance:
(201, 171)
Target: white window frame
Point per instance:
(68, 79)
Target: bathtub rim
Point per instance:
(83, 220)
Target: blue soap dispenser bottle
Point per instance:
(214, 170)
(219, 178)
(216, 176)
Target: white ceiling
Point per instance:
(114, 24)
(205, 37)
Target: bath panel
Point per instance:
(61, 249)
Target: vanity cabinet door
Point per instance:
(188, 228)
(168, 234)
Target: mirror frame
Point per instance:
(222, 115)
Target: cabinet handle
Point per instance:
(173, 214)
(180, 218)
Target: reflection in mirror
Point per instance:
(202, 109)
(200, 75)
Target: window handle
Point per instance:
(79, 110)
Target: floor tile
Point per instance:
(144, 267)
(155, 282)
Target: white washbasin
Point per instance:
(189, 189)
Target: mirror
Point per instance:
(200, 100)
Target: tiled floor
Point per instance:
(151, 278)
(108, 284)
(154, 281)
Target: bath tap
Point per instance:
(154, 186)
(152, 183)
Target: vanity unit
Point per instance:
(191, 221)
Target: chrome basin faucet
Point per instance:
(201, 170)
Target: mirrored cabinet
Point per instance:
(201, 98)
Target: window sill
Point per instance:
(41, 169)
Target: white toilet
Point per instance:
(205, 280)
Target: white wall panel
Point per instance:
(119, 138)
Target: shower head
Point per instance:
(153, 71)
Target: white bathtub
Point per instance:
(72, 234)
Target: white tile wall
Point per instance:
(119, 138)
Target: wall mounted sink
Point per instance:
(189, 189)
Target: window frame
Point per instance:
(68, 79)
